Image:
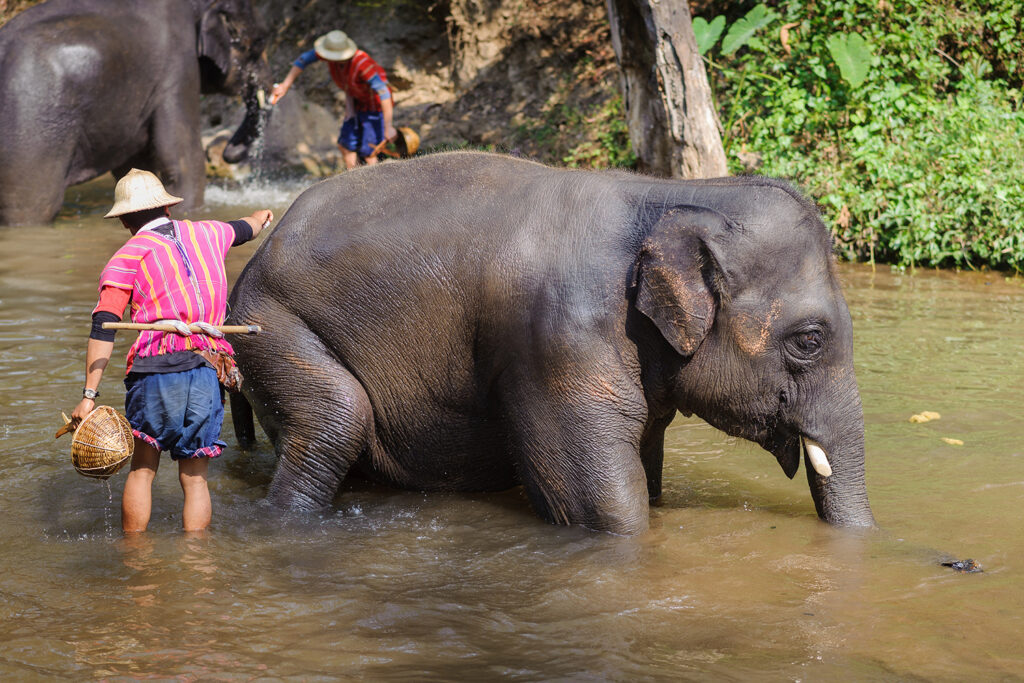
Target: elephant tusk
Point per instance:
(816, 454)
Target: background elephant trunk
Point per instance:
(252, 126)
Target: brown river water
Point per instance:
(736, 580)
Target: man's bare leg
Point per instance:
(197, 511)
(350, 158)
(137, 498)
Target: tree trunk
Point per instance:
(672, 121)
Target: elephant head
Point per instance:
(763, 337)
(231, 41)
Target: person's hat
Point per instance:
(138, 191)
(335, 46)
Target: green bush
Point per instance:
(905, 123)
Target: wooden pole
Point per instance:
(225, 329)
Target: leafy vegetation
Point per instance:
(904, 120)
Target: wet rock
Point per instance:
(967, 566)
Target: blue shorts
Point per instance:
(361, 133)
(180, 412)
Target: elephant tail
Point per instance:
(241, 420)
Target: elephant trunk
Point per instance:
(835, 474)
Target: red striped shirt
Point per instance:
(353, 76)
(180, 278)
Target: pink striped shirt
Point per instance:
(180, 278)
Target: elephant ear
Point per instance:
(215, 39)
(677, 275)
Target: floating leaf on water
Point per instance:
(953, 442)
(924, 416)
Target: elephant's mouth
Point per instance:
(787, 448)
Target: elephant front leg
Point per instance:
(652, 453)
(579, 462)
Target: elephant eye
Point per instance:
(808, 343)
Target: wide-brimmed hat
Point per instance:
(335, 46)
(137, 191)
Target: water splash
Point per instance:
(254, 190)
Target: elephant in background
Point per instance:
(471, 322)
(91, 86)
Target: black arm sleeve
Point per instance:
(98, 318)
(243, 232)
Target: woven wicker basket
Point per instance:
(102, 444)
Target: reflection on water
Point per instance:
(737, 578)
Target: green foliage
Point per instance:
(707, 34)
(612, 147)
(595, 136)
(904, 120)
(744, 29)
(852, 54)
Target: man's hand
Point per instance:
(259, 220)
(390, 133)
(84, 407)
(277, 92)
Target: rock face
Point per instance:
(299, 136)
(464, 73)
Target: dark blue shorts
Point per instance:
(180, 412)
(361, 133)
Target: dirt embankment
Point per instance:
(535, 77)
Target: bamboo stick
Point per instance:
(225, 329)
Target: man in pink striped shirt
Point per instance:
(170, 272)
(369, 106)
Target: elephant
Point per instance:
(466, 321)
(91, 86)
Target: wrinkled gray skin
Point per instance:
(90, 86)
(469, 322)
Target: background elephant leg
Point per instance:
(652, 453)
(315, 411)
(579, 464)
(177, 154)
(32, 189)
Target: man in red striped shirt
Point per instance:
(369, 106)
(172, 270)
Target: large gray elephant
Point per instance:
(470, 322)
(91, 86)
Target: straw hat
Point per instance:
(138, 191)
(335, 46)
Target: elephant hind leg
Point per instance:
(316, 412)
